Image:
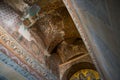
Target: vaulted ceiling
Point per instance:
(54, 25)
(46, 39)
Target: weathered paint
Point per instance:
(98, 23)
(6, 60)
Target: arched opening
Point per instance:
(84, 67)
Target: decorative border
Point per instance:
(5, 59)
(15, 59)
(11, 44)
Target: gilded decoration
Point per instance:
(86, 74)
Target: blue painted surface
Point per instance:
(5, 59)
(3, 78)
(33, 10)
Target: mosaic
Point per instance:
(86, 74)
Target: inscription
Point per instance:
(7, 40)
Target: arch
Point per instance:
(76, 67)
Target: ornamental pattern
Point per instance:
(16, 67)
(24, 56)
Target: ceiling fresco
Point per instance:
(36, 36)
